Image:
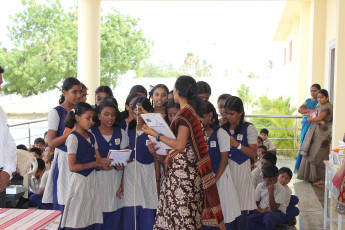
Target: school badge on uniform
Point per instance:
(239, 137)
(147, 142)
(117, 141)
(213, 144)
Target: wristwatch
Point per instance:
(239, 147)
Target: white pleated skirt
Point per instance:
(108, 184)
(62, 181)
(228, 196)
(146, 188)
(83, 204)
(242, 180)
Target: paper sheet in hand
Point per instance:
(156, 122)
(119, 156)
(161, 150)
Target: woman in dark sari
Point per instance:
(188, 197)
(308, 107)
(316, 145)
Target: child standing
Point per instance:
(109, 136)
(172, 109)
(203, 89)
(267, 142)
(83, 206)
(57, 183)
(243, 137)
(218, 142)
(285, 175)
(220, 103)
(139, 176)
(159, 95)
(269, 196)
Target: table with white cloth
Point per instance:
(330, 189)
(29, 219)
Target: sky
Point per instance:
(233, 36)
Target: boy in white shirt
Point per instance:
(37, 185)
(285, 175)
(269, 195)
(268, 158)
(267, 142)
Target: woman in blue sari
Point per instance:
(308, 107)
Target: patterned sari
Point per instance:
(305, 126)
(189, 196)
(316, 146)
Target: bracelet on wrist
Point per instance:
(158, 136)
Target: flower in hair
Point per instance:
(73, 110)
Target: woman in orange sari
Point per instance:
(188, 197)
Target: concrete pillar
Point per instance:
(89, 46)
(295, 81)
(317, 42)
(304, 51)
(339, 75)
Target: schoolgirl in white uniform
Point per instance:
(218, 142)
(109, 136)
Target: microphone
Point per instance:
(138, 105)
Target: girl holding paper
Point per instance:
(139, 176)
(83, 205)
(109, 136)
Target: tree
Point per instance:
(243, 93)
(45, 37)
(159, 71)
(277, 106)
(192, 66)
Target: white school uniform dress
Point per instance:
(226, 190)
(241, 173)
(55, 122)
(146, 197)
(109, 181)
(83, 204)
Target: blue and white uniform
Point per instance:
(219, 142)
(146, 198)
(83, 203)
(239, 164)
(110, 181)
(57, 183)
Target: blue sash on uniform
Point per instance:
(143, 154)
(214, 151)
(85, 152)
(235, 154)
(103, 145)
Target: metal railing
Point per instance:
(29, 129)
(248, 117)
(295, 128)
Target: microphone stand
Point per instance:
(135, 168)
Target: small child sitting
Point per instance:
(267, 142)
(36, 152)
(285, 175)
(269, 196)
(40, 143)
(37, 185)
(259, 141)
(268, 158)
(261, 149)
(34, 181)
